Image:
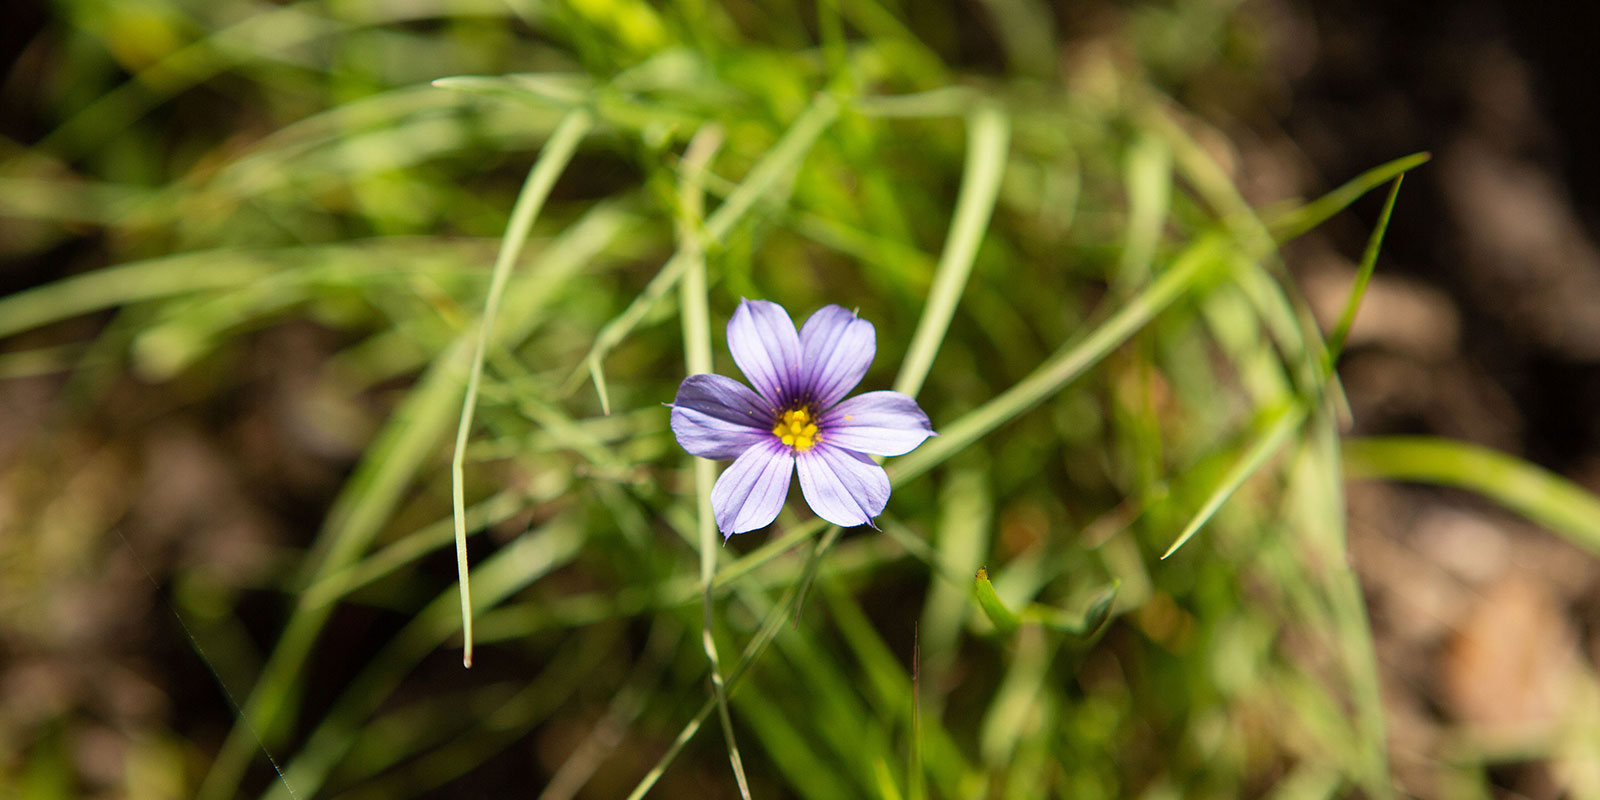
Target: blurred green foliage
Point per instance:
(1106, 336)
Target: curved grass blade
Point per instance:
(1005, 620)
(1008, 622)
(1066, 364)
(494, 510)
(370, 496)
(1292, 224)
(557, 153)
(1287, 422)
(779, 164)
(508, 571)
(1538, 494)
(1369, 262)
(696, 318)
(989, 136)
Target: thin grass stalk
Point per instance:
(696, 317)
(1290, 418)
(557, 154)
(989, 136)
(1369, 262)
(771, 624)
(1066, 364)
(779, 163)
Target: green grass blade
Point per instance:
(1538, 494)
(1087, 622)
(962, 537)
(1147, 173)
(696, 318)
(389, 464)
(1369, 261)
(647, 674)
(128, 283)
(1287, 422)
(357, 516)
(1292, 224)
(1317, 478)
(757, 646)
(513, 568)
(552, 161)
(772, 171)
(1065, 365)
(1005, 620)
(492, 511)
(774, 547)
(989, 137)
(945, 101)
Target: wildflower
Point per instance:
(794, 419)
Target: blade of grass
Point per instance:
(696, 318)
(275, 34)
(1369, 261)
(625, 707)
(1287, 421)
(962, 535)
(916, 779)
(1292, 224)
(1538, 494)
(387, 467)
(424, 774)
(771, 625)
(989, 137)
(1290, 418)
(1147, 174)
(1004, 619)
(224, 269)
(774, 547)
(772, 171)
(516, 566)
(945, 101)
(496, 509)
(893, 692)
(1324, 523)
(558, 152)
(1066, 364)
(357, 516)
(1019, 704)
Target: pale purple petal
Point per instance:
(879, 423)
(718, 417)
(844, 488)
(749, 493)
(836, 347)
(765, 346)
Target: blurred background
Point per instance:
(245, 246)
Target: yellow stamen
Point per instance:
(797, 430)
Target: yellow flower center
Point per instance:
(797, 430)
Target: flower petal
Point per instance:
(718, 417)
(749, 493)
(764, 345)
(836, 347)
(879, 423)
(844, 488)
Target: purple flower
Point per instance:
(794, 419)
